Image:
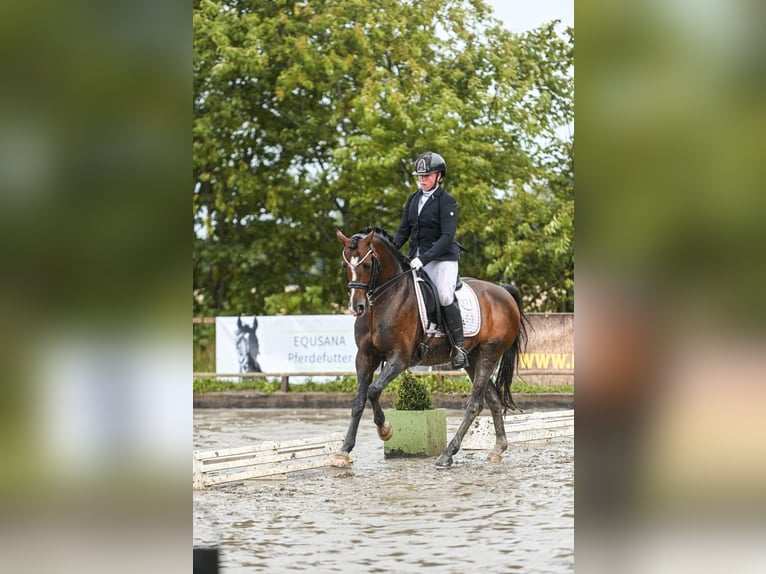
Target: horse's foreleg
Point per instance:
(364, 371)
(341, 458)
(501, 441)
(387, 374)
(472, 410)
(357, 409)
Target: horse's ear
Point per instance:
(239, 321)
(255, 322)
(342, 238)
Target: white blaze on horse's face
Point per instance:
(353, 264)
(357, 289)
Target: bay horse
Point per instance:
(388, 331)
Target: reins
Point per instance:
(375, 293)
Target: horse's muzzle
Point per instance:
(358, 309)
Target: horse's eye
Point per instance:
(367, 266)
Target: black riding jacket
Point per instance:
(433, 231)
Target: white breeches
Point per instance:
(444, 276)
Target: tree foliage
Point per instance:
(308, 115)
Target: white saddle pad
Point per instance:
(469, 310)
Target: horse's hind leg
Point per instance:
(480, 378)
(501, 441)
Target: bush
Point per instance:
(412, 395)
(348, 385)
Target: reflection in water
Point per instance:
(395, 515)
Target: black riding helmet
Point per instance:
(430, 162)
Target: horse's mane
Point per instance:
(387, 239)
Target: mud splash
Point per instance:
(395, 515)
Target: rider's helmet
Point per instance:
(430, 162)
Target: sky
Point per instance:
(523, 15)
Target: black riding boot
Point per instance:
(454, 323)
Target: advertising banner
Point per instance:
(285, 344)
(550, 349)
(325, 343)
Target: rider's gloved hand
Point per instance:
(416, 263)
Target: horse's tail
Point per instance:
(510, 359)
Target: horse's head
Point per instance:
(247, 345)
(370, 259)
(360, 264)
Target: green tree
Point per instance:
(536, 251)
(307, 117)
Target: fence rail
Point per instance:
(262, 460)
(353, 374)
(520, 428)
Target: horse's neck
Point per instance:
(397, 306)
(388, 276)
(392, 268)
(393, 287)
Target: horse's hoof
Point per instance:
(386, 431)
(494, 457)
(340, 460)
(444, 461)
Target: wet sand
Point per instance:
(386, 515)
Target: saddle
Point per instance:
(431, 298)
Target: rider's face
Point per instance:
(427, 182)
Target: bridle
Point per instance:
(374, 291)
(373, 276)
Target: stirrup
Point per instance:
(460, 359)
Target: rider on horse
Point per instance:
(430, 222)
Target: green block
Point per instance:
(416, 433)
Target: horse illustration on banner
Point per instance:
(247, 346)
